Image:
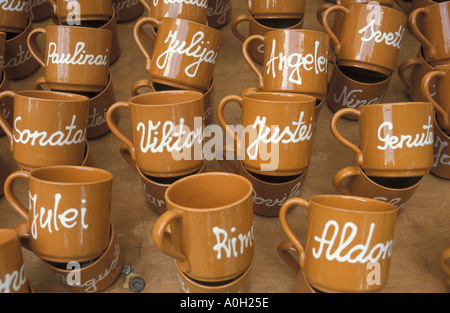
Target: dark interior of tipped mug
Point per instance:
(362, 75)
(273, 179)
(91, 24)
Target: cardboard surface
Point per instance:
(422, 230)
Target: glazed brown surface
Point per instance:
(422, 227)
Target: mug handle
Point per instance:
(143, 83)
(425, 89)
(402, 69)
(34, 47)
(326, 26)
(11, 196)
(445, 258)
(285, 208)
(111, 121)
(344, 141)
(221, 116)
(39, 83)
(341, 176)
(285, 251)
(249, 59)
(137, 36)
(412, 19)
(162, 238)
(3, 123)
(234, 24)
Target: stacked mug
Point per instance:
(16, 24)
(366, 38)
(168, 21)
(68, 224)
(279, 116)
(77, 58)
(429, 24)
(265, 16)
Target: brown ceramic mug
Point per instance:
(396, 139)
(77, 58)
(154, 188)
(238, 284)
(205, 213)
(167, 131)
(261, 27)
(431, 31)
(219, 12)
(49, 128)
(195, 62)
(127, 10)
(295, 61)
(12, 268)
(146, 84)
(417, 67)
(262, 9)
(441, 100)
(371, 36)
(347, 90)
(351, 237)
(441, 160)
(398, 191)
(95, 275)
(69, 213)
(277, 133)
(18, 62)
(195, 11)
(14, 16)
(75, 12)
(98, 107)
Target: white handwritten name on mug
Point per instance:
(22, 56)
(51, 219)
(296, 63)
(232, 245)
(15, 5)
(78, 57)
(174, 138)
(194, 48)
(302, 131)
(350, 98)
(408, 141)
(272, 202)
(12, 282)
(440, 158)
(42, 138)
(356, 252)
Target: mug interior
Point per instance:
(52, 95)
(165, 98)
(71, 175)
(209, 191)
(353, 204)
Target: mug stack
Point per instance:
(79, 51)
(429, 24)
(279, 116)
(265, 16)
(366, 38)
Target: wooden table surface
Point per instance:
(422, 230)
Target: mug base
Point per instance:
(397, 173)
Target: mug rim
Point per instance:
(396, 104)
(299, 177)
(204, 26)
(80, 28)
(284, 97)
(386, 8)
(7, 235)
(296, 30)
(186, 180)
(326, 201)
